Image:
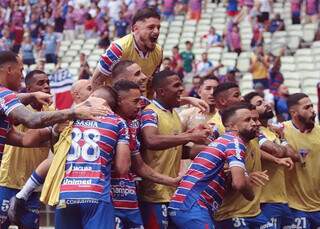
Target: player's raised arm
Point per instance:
(86, 110)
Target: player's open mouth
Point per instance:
(154, 39)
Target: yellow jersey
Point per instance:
(216, 120)
(259, 70)
(234, 204)
(303, 181)
(18, 163)
(275, 190)
(166, 161)
(125, 48)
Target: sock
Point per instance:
(32, 183)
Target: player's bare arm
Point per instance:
(122, 159)
(31, 138)
(241, 182)
(39, 97)
(145, 171)
(86, 110)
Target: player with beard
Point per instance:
(202, 188)
(274, 201)
(139, 46)
(303, 182)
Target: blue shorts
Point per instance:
(278, 214)
(87, 214)
(305, 220)
(246, 223)
(195, 217)
(155, 215)
(31, 217)
(128, 219)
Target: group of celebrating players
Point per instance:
(114, 159)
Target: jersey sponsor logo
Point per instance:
(77, 182)
(88, 123)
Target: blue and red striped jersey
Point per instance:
(8, 102)
(204, 181)
(124, 193)
(89, 159)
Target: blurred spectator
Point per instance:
(70, 24)
(41, 64)
(205, 66)
(5, 41)
(93, 10)
(85, 72)
(80, 17)
(90, 27)
(312, 10)
(114, 7)
(166, 64)
(46, 19)
(232, 8)
(27, 49)
(16, 34)
(121, 26)
(182, 6)
(275, 76)
(195, 87)
(59, 24)
(34, 27)
(194, 9)
(281, 104)
(168, 7)
(104, 41)
(51, 45)
(317, 34)
(188, 58)
(264, 7)
(212, 38)
(177, 61)
(259, 67)
(234, 39)
(296, 11)
(232, 76)
(276, 24)
(258, 30)
(318, 92)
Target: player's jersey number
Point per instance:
(89, 151)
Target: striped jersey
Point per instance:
(204, 181)
(124, 192)
(8, 102)
(88, 165)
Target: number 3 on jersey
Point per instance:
(89, 151)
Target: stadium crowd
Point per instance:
(134, 148)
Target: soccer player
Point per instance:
(12, 109)
(80, 91)
(124, 191)
(85, 199)
(274, 201)
(202, 188)
(303, 181)
(162, 140)
(193, 116)
(139, 46)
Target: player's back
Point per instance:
(204, 181)
(88, 165)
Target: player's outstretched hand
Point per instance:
(286, 161)
(91, 108)
(200, 136)
(199, 103)
(259, 178)
(175, 181)
(42, 98)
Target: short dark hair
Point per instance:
(120, 67)
(167, 58)
(294, 99)
(110, 95)
(125, 85)
(160, 78)
(224, 87)
(145, 13)
(188, 42)
(227, 113)
(8, 57)
(210, 77)
(247, 97)
(29, 77)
